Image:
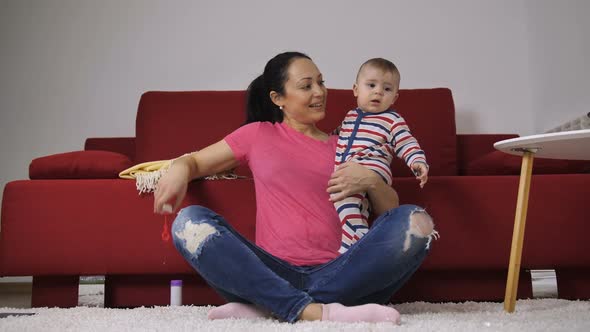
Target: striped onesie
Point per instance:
(370, 139)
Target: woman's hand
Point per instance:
(351, 178)
(172, 187)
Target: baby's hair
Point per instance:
(379, 63)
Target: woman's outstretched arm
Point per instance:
(172, 186)
(351, 178)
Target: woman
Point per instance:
(294, 270)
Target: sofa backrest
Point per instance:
(170, 124)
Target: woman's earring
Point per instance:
(281, 107)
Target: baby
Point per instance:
(370, 135)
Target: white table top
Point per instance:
(574, 145)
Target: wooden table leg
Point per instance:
(518, 233)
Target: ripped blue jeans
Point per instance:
(371, 271)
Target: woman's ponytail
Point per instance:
(259, 106)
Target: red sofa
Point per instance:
(75, 218)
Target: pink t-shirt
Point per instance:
(295, 220)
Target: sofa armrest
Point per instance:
(471, 147)
(122, 145)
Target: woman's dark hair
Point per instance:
(259, 106)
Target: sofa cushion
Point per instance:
(471, 147)
(103, 227)
(500, 163)
(92, 164)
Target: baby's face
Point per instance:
(376, 90)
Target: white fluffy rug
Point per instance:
(530, 315)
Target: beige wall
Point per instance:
(559, 35)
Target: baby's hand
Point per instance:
(421, 172)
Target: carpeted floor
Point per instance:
(531, 315)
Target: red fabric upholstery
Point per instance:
(456, 204)
(467, 285)
(129, 290)
(122, 145)
(477, 156)
(500, 163)
(79, 165)
(114, 226)
(471, 147)
(477, 212)
(57, 230)
(170, 124)
(573, 283)
(55, 291)
(184, 111)
(431, 286)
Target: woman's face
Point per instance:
(304, 100)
